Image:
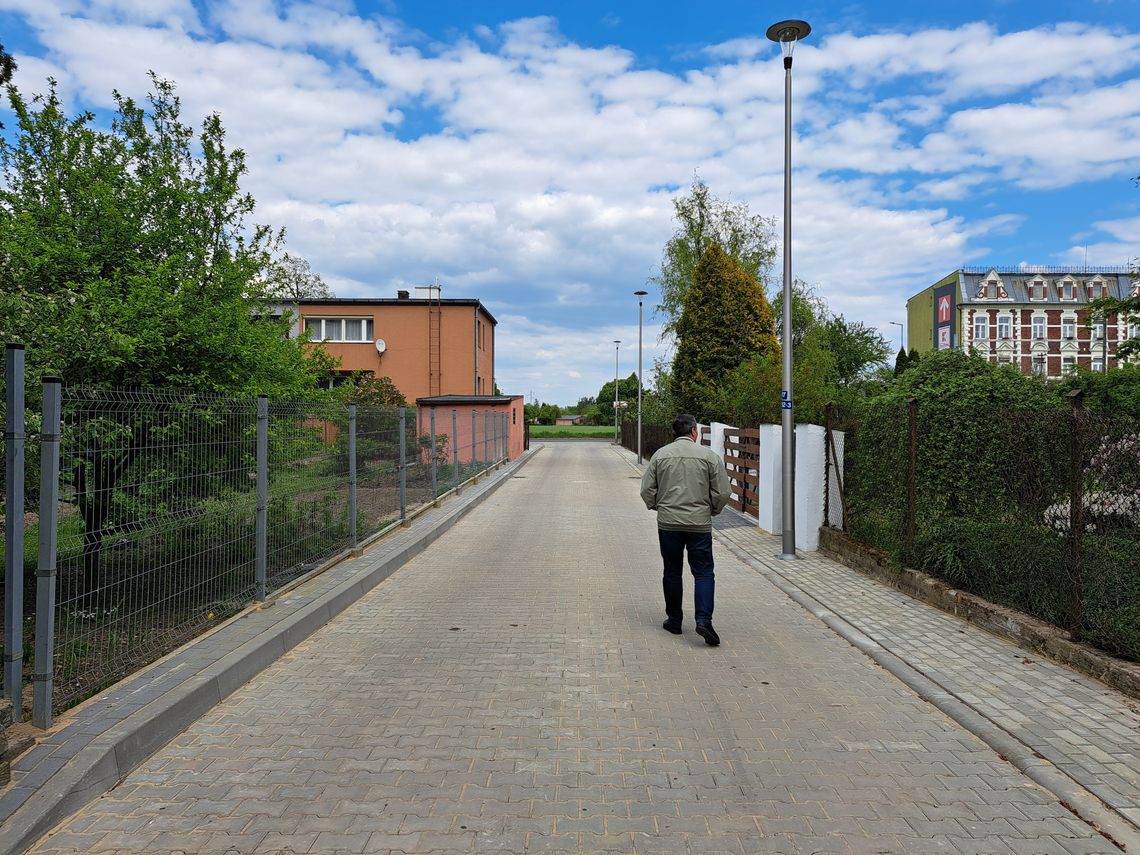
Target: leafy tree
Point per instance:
(626, 391)
(548, 414)
(126, 260)
(702, 220)
(374, 392)
(857, 348)
(292, 278)
(7, 69)
(902, 362)
(725, 320)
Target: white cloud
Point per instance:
(522, 168)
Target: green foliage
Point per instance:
(702, 220)
(374, 392)
(126, 258)
(902, 362)
(1116, 391)
(626, 391)
(725, 320)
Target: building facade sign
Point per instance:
(944, 317)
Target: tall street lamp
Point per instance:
(640, 313)
(617, 348)
(787, 33)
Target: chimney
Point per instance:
(403, 295)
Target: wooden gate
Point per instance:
(742, 460)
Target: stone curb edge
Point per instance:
(1088, 807)
(1018, 627)
(116, 752)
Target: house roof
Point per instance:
(1016, 282)
(441, 400)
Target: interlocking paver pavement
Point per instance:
(511, 690)
(1083, 727)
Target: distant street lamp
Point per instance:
(640, 311)
(617, 348)
(787, 33)
(902, 343)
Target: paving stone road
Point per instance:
(511, 690)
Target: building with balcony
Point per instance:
(1035, 319)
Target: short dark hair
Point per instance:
(683, 425)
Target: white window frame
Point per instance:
(1037, 326)
(1068, 364)
(1097, 363)
(1004, 326)
(1040, 367)
(1098, 330)
(1067, 291)
(981, 328)
(325, 323)
(1037, 291)
(1068, 328)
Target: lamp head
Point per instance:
(640, 293)
(787, 33)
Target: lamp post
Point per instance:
(902, 343)
(640, 313)
(617, 348)
(787, 33)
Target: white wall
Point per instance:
(809, 478)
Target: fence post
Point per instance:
(46, 565)
(1076, 515)
(486, 440)
(434, 480)
(14, 438)
(454, 448)
(827, 463)
(261, 548)
(14, 535)
(474, 448)
(912, 466)
(352, 475)
(403, 466)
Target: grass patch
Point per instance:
(571, 432)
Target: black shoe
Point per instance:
(673, 626)
(705, 631)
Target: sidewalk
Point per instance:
(510, 690)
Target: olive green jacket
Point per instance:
(686, 484)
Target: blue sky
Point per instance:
(523, 153)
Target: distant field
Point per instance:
(571, 432)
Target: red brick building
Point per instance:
(1035, 318)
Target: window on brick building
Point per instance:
(981, 328)
(1038, 327)
(1068, 327)
(1004, 327)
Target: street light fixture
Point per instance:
(787, 33)
(640, 312)
(617, 348)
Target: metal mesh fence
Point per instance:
(1044, 516)
(176, 511)
(307, 497)
(155, 531)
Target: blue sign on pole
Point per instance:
(786, 403)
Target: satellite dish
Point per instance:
(381, 345)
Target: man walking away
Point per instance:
(686, 484)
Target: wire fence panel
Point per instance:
(377, 468)
(155, 531)
(307, 511)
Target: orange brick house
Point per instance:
(426, 345)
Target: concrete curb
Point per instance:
(1018, 627)
(1084, 804)
(113, 753)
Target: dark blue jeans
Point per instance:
(699, 545)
